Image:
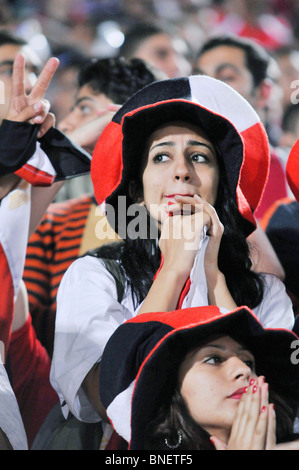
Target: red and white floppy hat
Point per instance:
(292, 170)
(227, 118)
(141, 360)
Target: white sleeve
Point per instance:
(10, 418)
(87, 314)
(275, 310)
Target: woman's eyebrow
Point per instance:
(190, 142)
(161, 144)
(196, 142)
(218, 346)
(223, 348)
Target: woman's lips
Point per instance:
(171, 196)
(238, 393)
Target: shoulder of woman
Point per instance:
(87, 269)
(93, 275)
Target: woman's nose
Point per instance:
(181, 170)
(237, 368)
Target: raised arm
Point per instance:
(35, 109)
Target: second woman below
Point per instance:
(190, 157)
(200, 381)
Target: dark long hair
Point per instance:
(172, 422)
(141, 258)
(245, 285)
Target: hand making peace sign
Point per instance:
(33, 107)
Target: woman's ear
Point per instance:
(135, 192)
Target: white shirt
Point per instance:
(88, 313)
(10, 418)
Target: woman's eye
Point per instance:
(160, 157)
(215, 360)
(249, 364)
(199, 158)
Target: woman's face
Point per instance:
(180, 160)
(212, 380)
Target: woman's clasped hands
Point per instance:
(183, 231)
(254, 426)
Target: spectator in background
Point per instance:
(290, 126)
(244, 65)
(10, 46)
(240, 63)
(156, 47)
(288, 61)
(254, 19)
(281, 223)
(63, 89)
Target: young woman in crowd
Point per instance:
(204, 380)
(190, 157)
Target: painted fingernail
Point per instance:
(246, 389)
(251, 381)
(263, 409)
(254, 390)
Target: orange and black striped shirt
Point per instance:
(66, 231)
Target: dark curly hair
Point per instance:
(116, 78)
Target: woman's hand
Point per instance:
(253, 424)
(254, 427)
(33, 107)
(190, 216)
(182, 233)
(179, 242)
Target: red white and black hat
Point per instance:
(227, 118)
(141, 360)
(292, 170)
